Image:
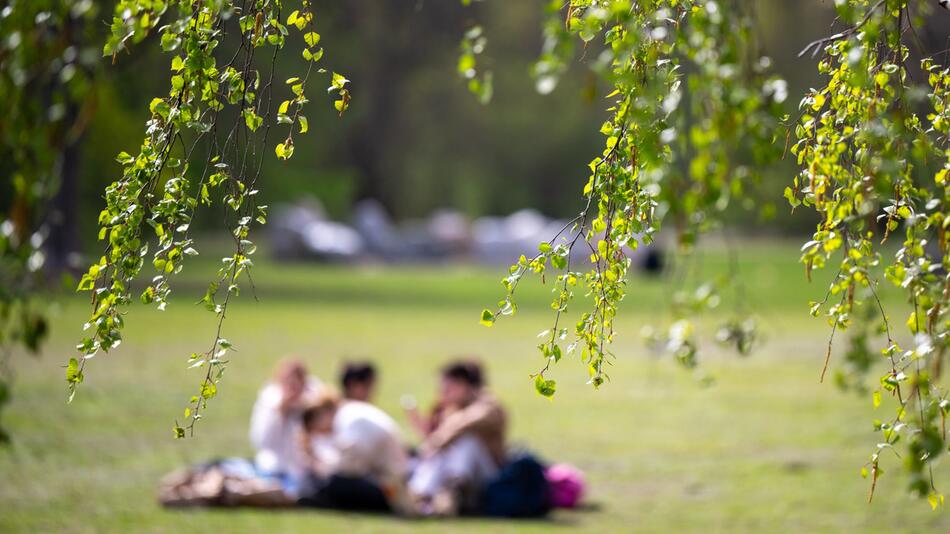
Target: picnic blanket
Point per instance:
(221, 483)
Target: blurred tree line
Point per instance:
(415, 139)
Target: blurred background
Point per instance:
(414, 139)
(417, 169)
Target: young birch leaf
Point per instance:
(545, 388)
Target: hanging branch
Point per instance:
(159, 191)
(643, 171)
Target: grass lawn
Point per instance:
(766, 448)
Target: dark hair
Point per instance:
(356, 372)
(468, 371)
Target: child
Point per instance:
(355, 455)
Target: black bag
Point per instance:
(519, 490)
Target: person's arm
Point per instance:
(416, 420)
(266, 420)
(419, 422)
(481, 416)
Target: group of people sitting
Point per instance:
(316, 447)
(341, 451)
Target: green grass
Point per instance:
(767, 448)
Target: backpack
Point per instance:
(567, 485)
(519, 490)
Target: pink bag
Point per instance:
(566, 484)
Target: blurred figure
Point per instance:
(275, 422)
(466, 447)
(355, 457)
(423, 424)
(358, 381)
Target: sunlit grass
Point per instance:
(766, 448)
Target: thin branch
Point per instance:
(816, 46)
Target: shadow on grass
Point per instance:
(560, 518)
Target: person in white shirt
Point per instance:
(356, 449)
(275, 422)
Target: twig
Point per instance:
(816, 46)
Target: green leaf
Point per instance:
(148, 296)
(159, 107)
(301, 21)
(881, 78)
(311, 38)
(252, 120)
(208, 389)
(488, 318)
(545, 388)
(73, 374)
(936, 500)
(791, 198)
(284, 150)
(338, 81)
(170, 41)
(912, 323)
(466, 64)
(86, 283)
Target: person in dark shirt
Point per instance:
(358, 381)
